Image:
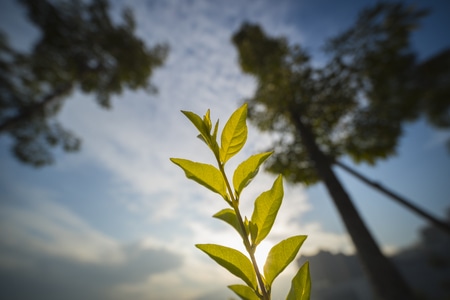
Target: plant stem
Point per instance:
(247, 244)
(251, 252)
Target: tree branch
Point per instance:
(36, 108)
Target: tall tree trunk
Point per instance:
(34, 109)
(384, 277)
(433, 220)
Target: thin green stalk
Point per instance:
(249, 248)
(251, 252)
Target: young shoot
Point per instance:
(258, 281)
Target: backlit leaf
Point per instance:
(232, 260)
(247, 170)
(216, 128)
(214, 146)
(198, 123)
(281, 255)
(244, 292)
(301, 284)
(206, 175)
(207, 121)
(266, 209)
(253, 228)
(234, 134)
(229, 216)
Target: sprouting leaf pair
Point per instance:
(266, 207)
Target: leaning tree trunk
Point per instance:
(384, 277)
(399, 199)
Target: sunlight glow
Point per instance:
(261, 253)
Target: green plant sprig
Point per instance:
(266, 206)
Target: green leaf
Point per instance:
(199, 124)
(232, 260)
(229, 216)
(234, 134)
(214, 146)
(216, 128)
(266, 209)
(253, 228)
(207, 121)
(246, 224)
(204, 174)
(247, 170)
(280, 256)
(301, 284)
(244, 292)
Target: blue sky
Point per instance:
(118, 220)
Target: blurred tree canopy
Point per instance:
(80, 47)
(433, 80)
(355, 105)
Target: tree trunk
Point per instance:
(433, 220)
(37, 108)
(384, 277)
